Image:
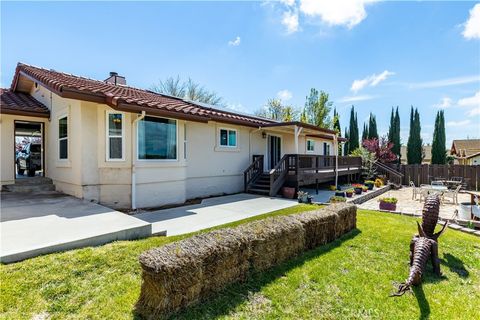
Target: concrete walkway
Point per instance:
(212, 212)
(35, 224)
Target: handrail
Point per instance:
(278, 175)
(389, 171)
(253, 171)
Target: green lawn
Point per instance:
(350, 278)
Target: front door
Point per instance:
(274, 151)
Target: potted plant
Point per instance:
(302, 197)
(336, 199)
(288, 192)
(378, 182)
(358, 188)
(349, 192)
(389, 204)
(365, 189)
(369, 184)
(333, 188)
(340, 194)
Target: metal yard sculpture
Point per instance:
(424, 246)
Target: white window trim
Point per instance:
(64, 115)
(176, 142)
(313, 144)
(220, 145)
(107, 136)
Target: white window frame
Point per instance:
(108, 136)
(313, 145)
(176, 142)
(228, 136)
(64, 115)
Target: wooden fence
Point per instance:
(425, 173)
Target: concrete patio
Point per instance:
(35, 224)
(212, 212)
(407, 205)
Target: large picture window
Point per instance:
(228, 138)
(63, 138)
(157, 139)
(115, 135)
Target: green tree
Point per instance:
(188, 89)
(347, 144)
(372, 127)
(353, 131)
(317, 109)
(394, 133)
(365, 132)
(415, 143)
(438, 145)
(275, 110)
(337, 128)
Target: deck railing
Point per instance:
(253, 171)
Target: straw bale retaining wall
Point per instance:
(184, 272)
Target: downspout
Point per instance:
(134, 160)
(335, 146)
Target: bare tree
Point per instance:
(276, 111)
(188, 90)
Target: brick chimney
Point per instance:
(116, 79)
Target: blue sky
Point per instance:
(371, 54)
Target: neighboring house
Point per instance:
(466, 151)
(427, 154)
(106, 142)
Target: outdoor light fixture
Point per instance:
(264, 135)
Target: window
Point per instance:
(157, 139)
(228, 138)
(310, 145)
(115, 136)
(63, 138)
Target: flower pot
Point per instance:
(388, 206)
(288, 192)
(349, 194)
(340, 194)
(358, 190)
(369, 186)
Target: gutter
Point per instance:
(134, 160)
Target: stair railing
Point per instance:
(278, 175)
(389, 172)
(253, 171)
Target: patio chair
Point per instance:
(457, 179)
(452, 194)
(437, 183)
(415, 190)
(423, 192)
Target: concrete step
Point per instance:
(28, 188)
(33, 180)
(259, 191)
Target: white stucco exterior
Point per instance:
(202, 168)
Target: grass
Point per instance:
(350, 278)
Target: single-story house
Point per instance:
(466, 151)
(126, 147)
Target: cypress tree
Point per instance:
(353, 131)
(415, 144)
(396, 136)
(337, 128)
(347, 144)
(438, 143)
(391, 128)
(364, 132)
(372, 127)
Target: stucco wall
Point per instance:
(7, 140)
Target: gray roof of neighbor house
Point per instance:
(465, 148)
(23, 104)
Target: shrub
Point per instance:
(369, 182)
(378, 182)
(337, 199)
(388, 200)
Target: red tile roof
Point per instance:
(21, 104)
(130, 99)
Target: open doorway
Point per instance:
(29, 149)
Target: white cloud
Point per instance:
(288, 2)
(474, 112)
(290, 21)
(234, 43)
(473, 101)
(458, 123)
(284, 95)
(236, 107)
(472, 26)
(445, 103)
(372, 80)
(445, 82)
(356, 98)
(347, 13)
